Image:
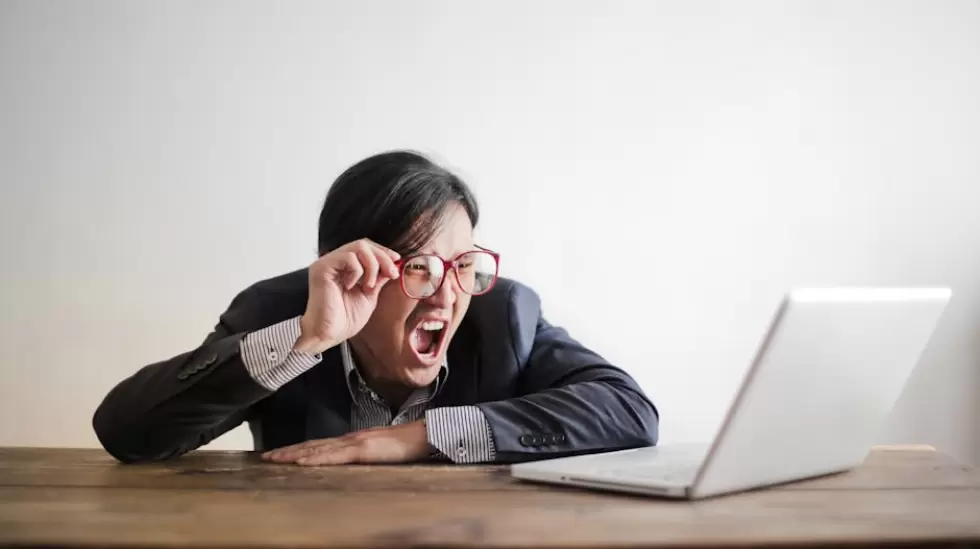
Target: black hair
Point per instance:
(397, 199)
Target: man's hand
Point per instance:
(344, 288)
(398, 444)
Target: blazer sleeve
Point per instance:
(572, 402)
(172, 407)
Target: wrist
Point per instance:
(419, 440)
(309, 343)
(312, 345)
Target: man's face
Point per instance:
(395, 341)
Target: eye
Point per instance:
(417, 268)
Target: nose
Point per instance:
(445, 296)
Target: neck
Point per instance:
(371, 369)
(393, 394)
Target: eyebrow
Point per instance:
(457, 253)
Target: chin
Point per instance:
(419, 376)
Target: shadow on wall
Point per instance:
(974, 435)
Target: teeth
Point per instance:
(433, 325)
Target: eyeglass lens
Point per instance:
(422, 275)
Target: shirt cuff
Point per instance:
(461, 433)
(269, 357)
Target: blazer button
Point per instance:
(526, 440)
(182, 376)
(537, 440)
(210, 360)
(560, 438)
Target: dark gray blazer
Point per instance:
(543, 394)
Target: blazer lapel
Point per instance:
(328, 413)
(462, 384)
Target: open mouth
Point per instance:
(427, 338)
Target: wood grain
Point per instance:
(82, 498)
(885, 469)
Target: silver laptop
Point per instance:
(813, 402)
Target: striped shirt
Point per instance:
(370, 410)
(460, 433)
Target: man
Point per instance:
(398, 344)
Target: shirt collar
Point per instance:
(355, 382)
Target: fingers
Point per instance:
(388, 252)
(369, 261)
(353, 270)
(369, 264)
(331, 451)
(386, 261)
(395, 444)
(335, 455)
(291, 453)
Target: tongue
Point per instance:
(422, 340)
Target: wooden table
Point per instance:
(226, 499)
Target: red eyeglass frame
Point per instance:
(449, 265)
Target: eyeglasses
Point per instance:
(422, 275)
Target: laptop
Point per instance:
(813, 402)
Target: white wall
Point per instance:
(157, 157)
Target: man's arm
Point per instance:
(172, 407)
(574, 401)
